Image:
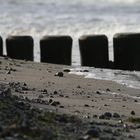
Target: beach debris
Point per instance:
(50, 100)
(66, 70)
(98, 92)
(44, 91)
(86, 105)
(55, 103)
(59, 74)
(94, 132)
(116, 115)
(108, 90)
(40, 96)
(78, 86)
(8, 72)
(55, 92)
(132, 112)
(106, 115)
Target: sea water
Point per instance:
(75, 18)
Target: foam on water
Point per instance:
(128, 78)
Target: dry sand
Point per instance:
(69, 94)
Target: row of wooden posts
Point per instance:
(93, 50)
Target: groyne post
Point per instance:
(56, 49)
(20, 47)
(127, 51)
(94, 50)
(1, 46)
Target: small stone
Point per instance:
(9, 72)
(66, 96)
(40, 96)
(55, 92)
(95, 116)
(120, 122)
(66, 70)
(132, 112)
(50, 101)
(108, 89)
(86, 105)
(101, 117)
(78, 86)
(61, 106)
(98, 92)
(55, 103)
(116, 115)
(135, 100)
(108, 114)
(94, 132)
(85, 70)
(59, 74)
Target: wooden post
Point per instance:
(56, 49)
(20, 47)
(1, 46)
(94, 50)
(127, 51)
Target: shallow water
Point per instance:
(75, 17)
(128, 78)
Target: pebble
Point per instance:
(66, 70)
(108, 114)
(50, 100)
(116, 115)
(132, 112)
(86, 105)
(101, 117)
(94, 132)
(59, 74)
(108, 89)
(9, 72)
(55, 103)
(40, 96)
(55, 92)
(98, 92)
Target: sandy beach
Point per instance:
(51, 87)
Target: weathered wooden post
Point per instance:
(1, 46)
(127, 51)
(20, 47)
(94, 50)
(56, 49)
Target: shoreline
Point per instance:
(43, 86)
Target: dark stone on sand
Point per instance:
(66, 70)
(126, 51)
(1, 46)
(108, 115)
(94, 51)
(132, 112)
(116, 115)
(55, 103)
(50, 100)
(40, 96)
(55, 92)
(56, 49)
(102, 116)
(20, 47)
(94, 132)
(86, 105)
(59, 74)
